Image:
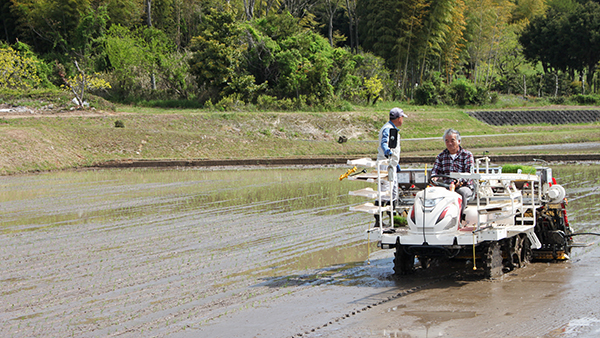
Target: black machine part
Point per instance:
(393, 140)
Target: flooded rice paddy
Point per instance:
(116, 251)
(211, 253)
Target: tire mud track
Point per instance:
(406, 292)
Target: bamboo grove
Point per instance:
(289, 54)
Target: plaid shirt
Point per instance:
(444, 164)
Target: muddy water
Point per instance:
(582, 183)
(228, 253)
(93, 253)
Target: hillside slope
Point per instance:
(45, 139)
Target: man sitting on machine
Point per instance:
(455, 159)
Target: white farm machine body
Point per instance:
(511, 218)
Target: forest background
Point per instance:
(301, 54)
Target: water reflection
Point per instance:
(582, 183)
(53, 199)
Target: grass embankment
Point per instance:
(67, 139)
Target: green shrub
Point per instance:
(494, 97)
(172, 103)
(585, 99)
(425, 94)
(245, 87)
(557, 100)
(231, 102)
(18, 71)
(266, 102)
(372, 89)
(345, 106)
(285, 104)
(482, 96)
(463, 92)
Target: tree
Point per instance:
(454, 42)
(487, 24)
(91, 28)
(413, 22)
(304, 62)
(542, 43)
(567, 38)
(331, 6)
(17, 71)
(50, 25)
(8, 21)
(443, 17)
(216, 52)
(525, 10)
(136, 54)
(584, 30)
(298, 8)
(381, 27)
(249, 9)
(188, 19)
(509, 65)
(373, 88)
(295, 62)
(127, 13)
(352, 24)
(126, 57)
(414, 36)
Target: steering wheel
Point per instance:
(442, 184)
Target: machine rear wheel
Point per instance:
(526, 253)
(515, 254)
(492, 260)
(404, 263)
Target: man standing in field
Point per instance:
(388, 132)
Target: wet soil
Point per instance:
(541, 300)
(258, 253)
